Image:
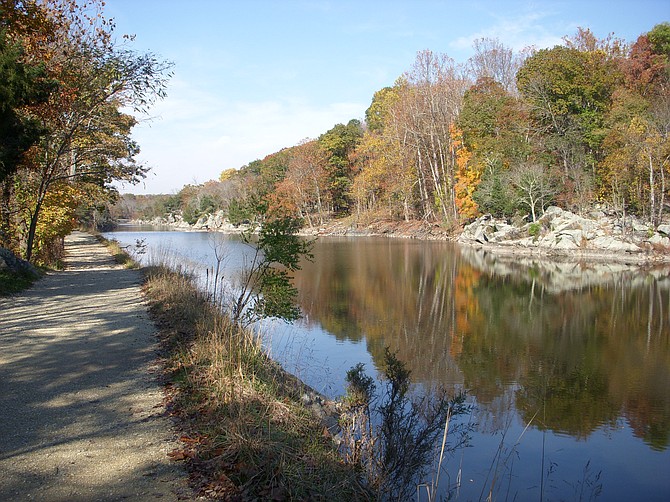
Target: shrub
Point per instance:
(391, 436)
(534, 230)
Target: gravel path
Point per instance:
(81, 414)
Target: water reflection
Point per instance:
(585, 344)
(581, 351)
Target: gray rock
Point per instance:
(640, 227)
(663, 229)
(569, 239)
(552, 212)
(610, 243)
(659, 240)
(565, 242)
(480, 235)
(504, 233)
(11, 263)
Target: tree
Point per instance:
(20, 85)
(304, 189)
(468, 177)
(535, 187)
(384, 159)
(494, 194)
(492, 60)
(636, 165)
(659, 37)
(376, 115)
(430, 102)
(339, 144)
(496, 130)
(265, 286)
(569, 92)
(85, 135)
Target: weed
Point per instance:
(12, 283)
(122, 255)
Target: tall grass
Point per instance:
(246, 433)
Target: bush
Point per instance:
(391, 436)
(534, 230)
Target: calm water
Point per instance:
(581, 352)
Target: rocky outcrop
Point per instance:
(560, 232)
(208, 222)
(9, 262)
(216, 222)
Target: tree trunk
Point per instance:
(32, 229)
(652, 195)
(5, 214)
(661, 203)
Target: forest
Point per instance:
(579, 125)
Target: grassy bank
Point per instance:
(245, 433)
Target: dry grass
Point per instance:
(246, 436)
(118, 253)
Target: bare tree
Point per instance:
(492, 59)
(431, 101)
(535, 187)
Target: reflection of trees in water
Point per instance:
(396, 294)
(583, 353)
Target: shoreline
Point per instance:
(653, 255)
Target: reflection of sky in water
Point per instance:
(320, 361)
(628, 468)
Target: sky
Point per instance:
(251, 77)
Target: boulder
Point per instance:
(664, 230)
(568, 239)
(551, 213)
(504, 232)
(564, 242)
(640, 228)
(479, 235)
(610, 243)
(659, 240)
(9, 262)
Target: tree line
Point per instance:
(508, 133)
(70, 92)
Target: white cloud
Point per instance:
(518, 32)
(197, 134)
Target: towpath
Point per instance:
(81, 405)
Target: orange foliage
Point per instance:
(468, 176)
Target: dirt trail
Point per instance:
(81, 415)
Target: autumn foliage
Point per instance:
(577, 125)
(67, 87)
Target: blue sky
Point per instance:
(252, 77)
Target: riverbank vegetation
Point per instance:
(506, 133)
(246, 434)
(249, 432)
